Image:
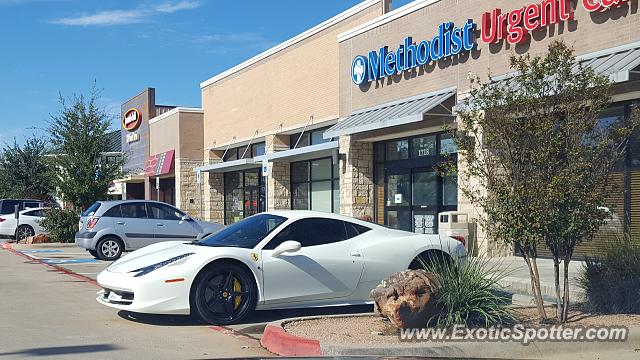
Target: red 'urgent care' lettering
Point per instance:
(601, 5)
(516, 25)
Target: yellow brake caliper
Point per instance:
(237, 288)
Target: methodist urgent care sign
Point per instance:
(451, 40)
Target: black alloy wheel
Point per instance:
(225, 294)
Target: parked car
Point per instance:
(107, 228)
(7, 206)
(272, 260)
(28, 224)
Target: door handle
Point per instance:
(120, 222)
(356, 253)
(160, 224)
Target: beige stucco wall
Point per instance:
(181, 131)
(285, 88)
(588, 32)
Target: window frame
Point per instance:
(334, 177)
(273, 239)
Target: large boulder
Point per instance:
(407, 298)
(36, 239)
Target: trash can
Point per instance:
(454, 224)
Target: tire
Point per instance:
(429, 257)
(93, 253)
(225, 294)
(23, 232)
(109, 248)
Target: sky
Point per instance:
(50, 48)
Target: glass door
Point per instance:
(398, 201)
(424, 202)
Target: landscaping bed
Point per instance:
(374, 330)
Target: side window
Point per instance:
(354, 230)
(113, 212)
(35, 213)
(134, 210)
(164, 212)
(310, 232)
(31, 205)
(8, 207)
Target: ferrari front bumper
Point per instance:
(150, 294)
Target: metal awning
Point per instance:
(617, 63)
(395, 113)
(227, 166)
(300, 154)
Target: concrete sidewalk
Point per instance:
(518, 280)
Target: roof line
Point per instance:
(173, 112)
(294, 40)
(386, 18)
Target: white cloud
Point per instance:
(123, 17)
(182, 5)
(104, 18)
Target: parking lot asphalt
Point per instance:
(80, 262)
(47, 313)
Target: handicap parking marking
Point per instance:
(40, 251)
(67, 261)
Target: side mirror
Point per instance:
(286, 247)
(185, 217)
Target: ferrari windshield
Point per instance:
(246, 233)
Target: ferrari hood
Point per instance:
(150, 255)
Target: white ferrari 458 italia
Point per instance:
(273, 260)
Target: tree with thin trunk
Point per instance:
(78, 135)
(536, 158)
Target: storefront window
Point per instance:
(398, 150)
(450, 190)
(232, 154)
(315, 185)
(317, 137)
(310, 137)
(447, 145)
(257, 149)
(425, 188)
(423, 146)
(243, 195)
(409, 191)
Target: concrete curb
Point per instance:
(278, 341)
(87, 279)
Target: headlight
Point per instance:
(147, 269)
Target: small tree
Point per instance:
(24, 171)
(78, 134)
(534, 157)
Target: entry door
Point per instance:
(169, 224)
(326, 267)
(135, 226)
(398, 201)
(424, 201)
(412, 200)
(251, 201)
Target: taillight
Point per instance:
(92, 223)
(459, 238)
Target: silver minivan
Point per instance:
(107, 228)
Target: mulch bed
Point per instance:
(374, 330)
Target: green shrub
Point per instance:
(611, 282)
(469, 295)
(61, 224)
